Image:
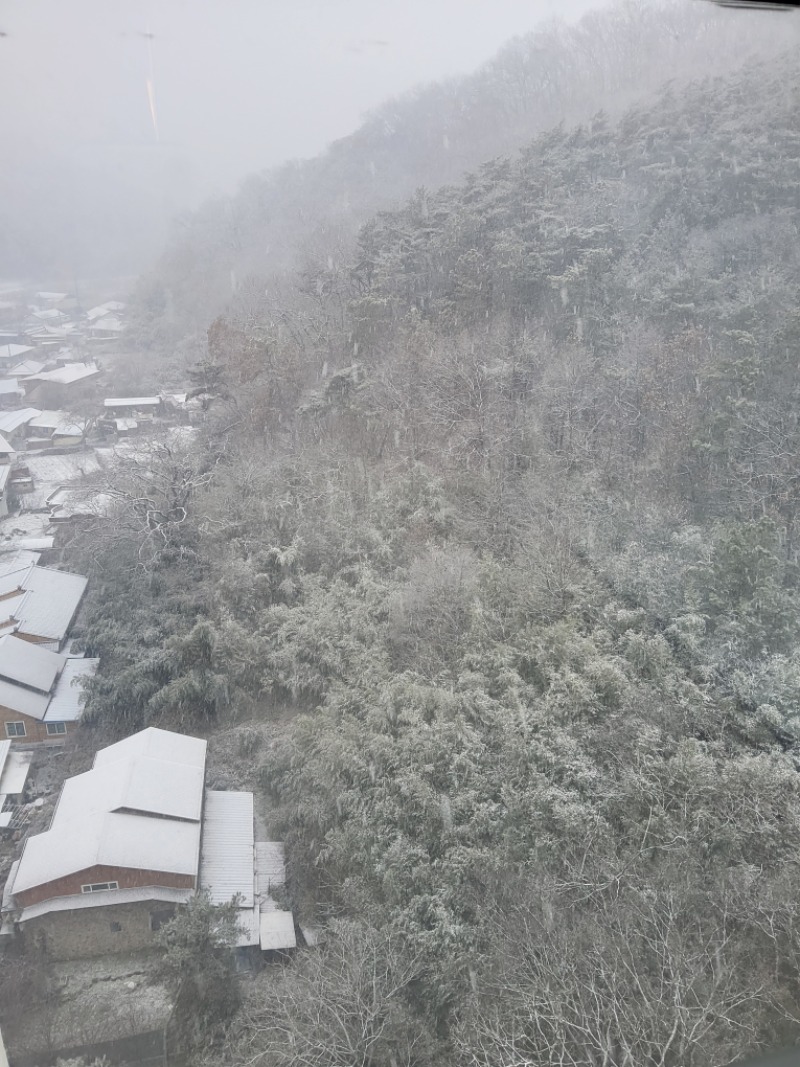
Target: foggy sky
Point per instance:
(239, 84)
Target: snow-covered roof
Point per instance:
(12, 420)
(53, 298)
(132, 402)
(25, 663)
(67, 374)
(125, 424)
(53, 598)
(276, 930)
(14, 772)
(66, 703)
(227, 859)
(27, 368)
(5, 446)
(138, 808)
(109, 323)
(9, 385)
(160, 744)
(48, 420)
(137, 842)
(12, 351)
(23, 701)
(49, 314)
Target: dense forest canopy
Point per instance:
(309, 209)
(498, 512)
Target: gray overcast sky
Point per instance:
(239, 84)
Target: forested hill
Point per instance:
(307, 210)
(493, 533)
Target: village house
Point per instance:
(64, 385)
(132, 840)
(132, 407)
(12, 393)
(14, 425)
(39, 604)
(40, 691)
(13, 352)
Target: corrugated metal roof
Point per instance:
(12, 420)
(54, 598)
(15, 773)
(112, 896)
(23, 662)
(276, 930)
(13, 573)
(227, 859)
(66, 703)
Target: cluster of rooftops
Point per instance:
(141, 828)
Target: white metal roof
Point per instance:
(160, 744)
(67, 374)
(276, 930)
(23, 701)
(27, 368)
(14, 351)
(12, 420)
(25, 663)
(52, 601)
(138, 785)
(134, 810)
(131, 401)
(157, 893)
(227, 863)
(14, 774)
(48, 420)
(109, 323)
(66, 703)
(135, 842)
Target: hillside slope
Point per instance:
(499, 513)
(307, 210)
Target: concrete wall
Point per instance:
(100, 931)
(126, 877)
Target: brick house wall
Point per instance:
(34, 730)
(100, 931)
(126, 877)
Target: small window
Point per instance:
(116, 928)
(56, 728)
(99, 887)
(15, 729)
